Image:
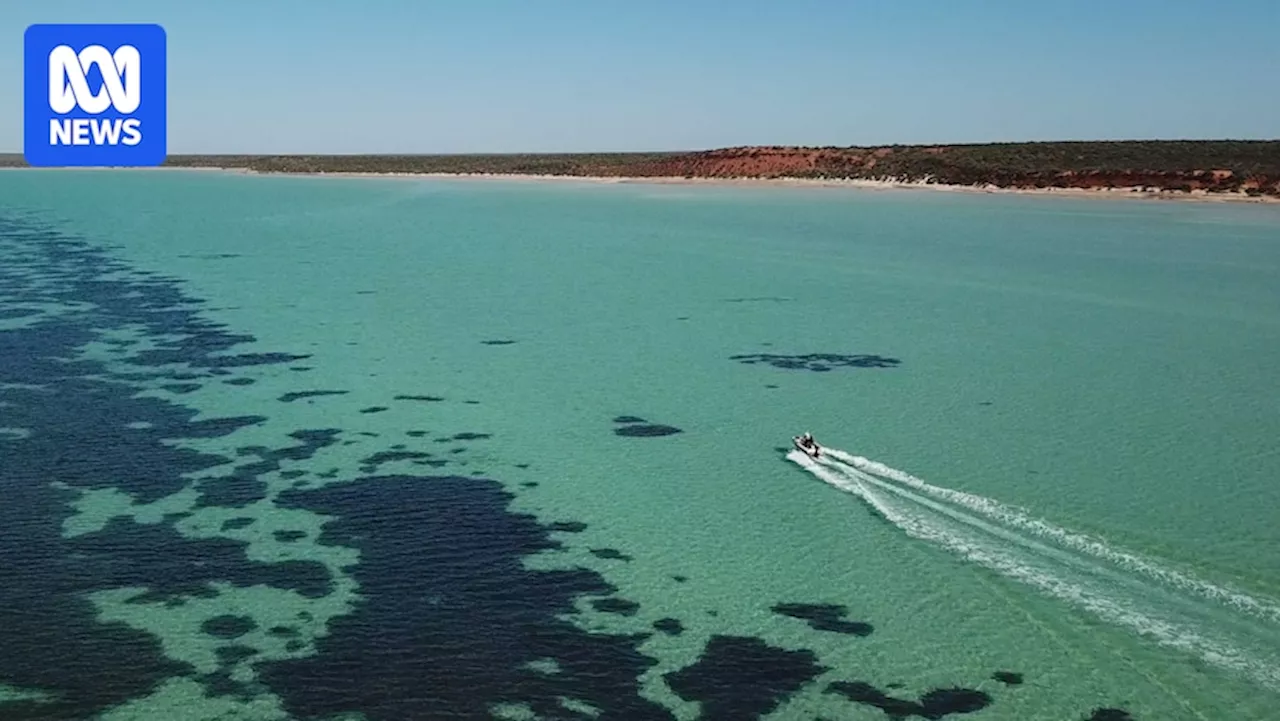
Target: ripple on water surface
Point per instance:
(318, 548)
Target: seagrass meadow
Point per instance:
(385, 448)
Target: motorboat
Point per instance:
(807, 445)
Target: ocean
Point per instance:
(378, 449)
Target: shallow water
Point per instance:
(305, 447)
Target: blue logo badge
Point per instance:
(94, 95)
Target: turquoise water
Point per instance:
(1105, 366)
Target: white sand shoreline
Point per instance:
(1138, 193)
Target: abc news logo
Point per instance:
(95, 95)
(69, 89)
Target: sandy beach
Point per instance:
(853, 183)
(1138, 193)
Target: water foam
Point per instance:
(1131, 601)
(1018, 519)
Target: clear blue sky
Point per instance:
(288, 76)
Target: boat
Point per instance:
(807, 445)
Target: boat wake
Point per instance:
(1221, 626)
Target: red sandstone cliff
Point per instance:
(1093, 165)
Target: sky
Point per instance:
(465, 76)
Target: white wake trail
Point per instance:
(1107, 593)
(1018, 519)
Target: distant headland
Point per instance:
(1210, 169)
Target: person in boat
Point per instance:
(807, 440)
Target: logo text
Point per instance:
(95, 95)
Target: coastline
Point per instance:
(1123, 193)
(863, 184)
